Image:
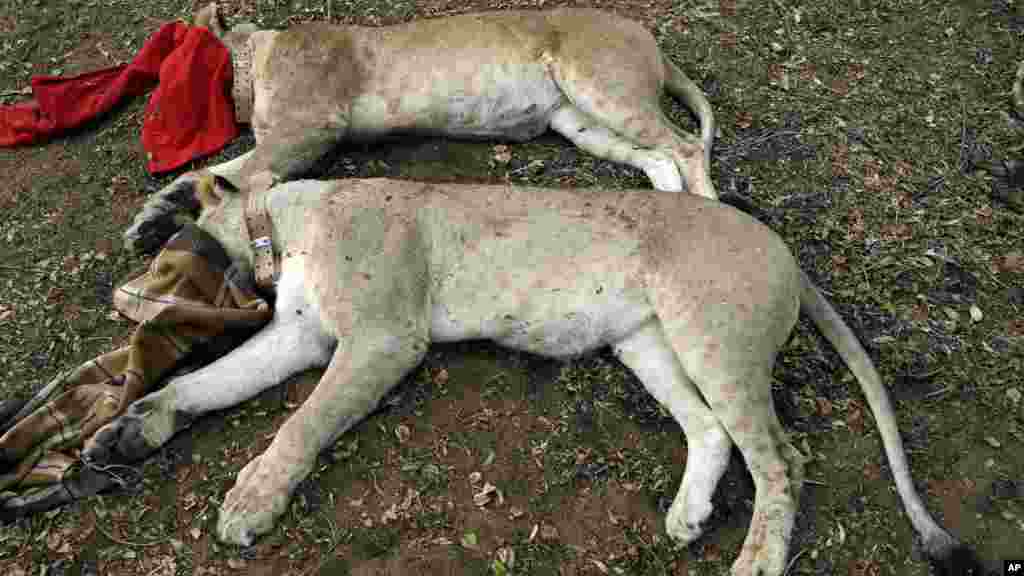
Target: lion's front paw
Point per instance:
(252, 506)
(162, 215)
(685, 522)
(130, 437)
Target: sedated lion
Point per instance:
(593, 77)
(693, 296)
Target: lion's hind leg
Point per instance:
(735, 380)
(633, 113)
(589, 135)
(650, 356)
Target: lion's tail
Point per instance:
(680, 86)
(946, 553)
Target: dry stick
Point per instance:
(793, 561)
(1018, 91)
(963, 134)
(335, 541)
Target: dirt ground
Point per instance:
(864, 133)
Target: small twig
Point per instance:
(373, 477)
(13, 268)
(744, 146)
(963, 134)
(315, 569)
(938, 392)
(793, 561)
(815, 482)
(1018, 91)
(335, 541)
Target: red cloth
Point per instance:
(189, 115)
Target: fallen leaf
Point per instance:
(855, 420)
(824, 406)
(840, 86)
(744, 120)
(1012, 262)
(856, 71)
(976, 314)
(548, 532)
(841, 159)
(502, 154)
(807, 71)
(441, 377)
(53, 540)
(484, 496)
(469, 540)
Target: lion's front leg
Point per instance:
(292, 342)
(357, 378)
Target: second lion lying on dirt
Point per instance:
(693, 296)
(593, 77)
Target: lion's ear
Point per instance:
(210, 189)
(208, 17)
(224, 185)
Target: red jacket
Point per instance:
(189, 114)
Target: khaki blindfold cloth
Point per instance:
(192, 298)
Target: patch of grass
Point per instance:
(375, 542)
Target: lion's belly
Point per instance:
(462, 100)
(551, 326)
(541, 302)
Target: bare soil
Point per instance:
(863, 133)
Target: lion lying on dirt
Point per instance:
(591, 76)
(693, 296)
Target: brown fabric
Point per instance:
(190, 296)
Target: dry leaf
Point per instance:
(548, 532)
(824, 406)
(441, 377)
(1012, 262)
(403, 433)
(855, 420)
(502, 154)
(484, 496)
(744, 120)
